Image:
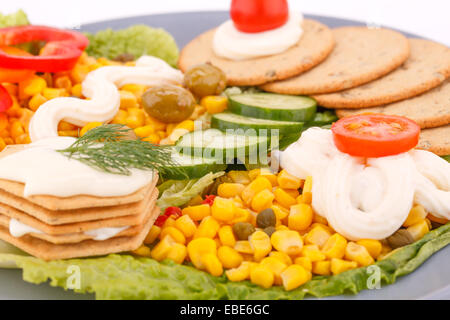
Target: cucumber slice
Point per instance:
(322, 119)
(223, 147)
(224, 121)
(273, 106)
(194, 167)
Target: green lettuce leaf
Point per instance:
(137, 40)
(446, 158)
(18, 18)
(178, 192)
(126, 277)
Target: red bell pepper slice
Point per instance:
(60, 53)
(5, 99)
(15, 75)
(209, 199)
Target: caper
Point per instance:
(242, 230)
(205, 80)
(124, 57)
(168, 103)
(270, 230)
(266, 218)
(400, 238)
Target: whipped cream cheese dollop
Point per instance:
(368, 198)
(230, 43)
(44, 171)
(100, 86)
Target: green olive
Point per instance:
(266, 218)
(270, 230)
(168, 103)
(205, 80)
(243, 230)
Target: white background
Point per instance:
(428, 18)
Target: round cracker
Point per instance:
(314, 46)
(436, 140)
(361, 55)
(429, 110)
(427, 67)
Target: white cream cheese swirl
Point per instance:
(368, 198)
(230, 43)
(100, 86)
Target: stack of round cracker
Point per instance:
(353, 70)
(63, 228)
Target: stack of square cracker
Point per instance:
(71, 227)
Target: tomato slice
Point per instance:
(253, 16)
(375, 135)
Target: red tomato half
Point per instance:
(259, 15)
(375, 135)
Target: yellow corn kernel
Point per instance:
(335, 246)
(161, 250)
(226, 236)
(254, 173)
(186, 225)
(339, 265)
(68, 133)
(169, 223)
(230, 190)
(283, 257)
(79, 73)
(63, 82)
(288, 181)
(36, 101)
(294, 276)
(305, 262)
(305, 197)
(197, 213)
(300, 217)
(136, 89)
(128, 100)
(280, 212)
(199, 247)
(66, 126)
(307, 190)
(135, 119)
(243, 246)
(120, 117)
(176, 234)
(197, 200)
(52, 93)
(262, 276)
(177, 253)
(161, 134)
(89, 126)
(11, 88)
(322, 268)
(418, 230)
(212, 264)
(276, 266)
(313, 252)
(241, 215)
(23, 139)
(152, 235)
(77, 90)
(223, 209)
(229, 257)
(269, 175)
(318, 235)
(218, 243)
(142, 251)
(17, 129)
(262, 200)
(208, 228)
(153, 138)
(158, 125)
(284, 198)
(373, 246)
(186, 124)
(238, 202)
(256, 186)
(359, 254)
(31, 87)
(416, 215)
(292, 192)
(241, 177)
(287, 241)
(240, 273)
(214, 104)
(8, 140)
(319, 219)
(261, 245)
(2, 144)
(144, 131)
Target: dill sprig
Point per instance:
(106, 148)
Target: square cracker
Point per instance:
(77, 227)
(48, 251)
(76, 202)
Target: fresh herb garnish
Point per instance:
(107, 148)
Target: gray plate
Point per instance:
(430, 281)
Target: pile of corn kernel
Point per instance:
(29, 95)
(302, 244)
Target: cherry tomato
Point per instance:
(259, 15)
(209, 200)
(173, 211)
(375, 135)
